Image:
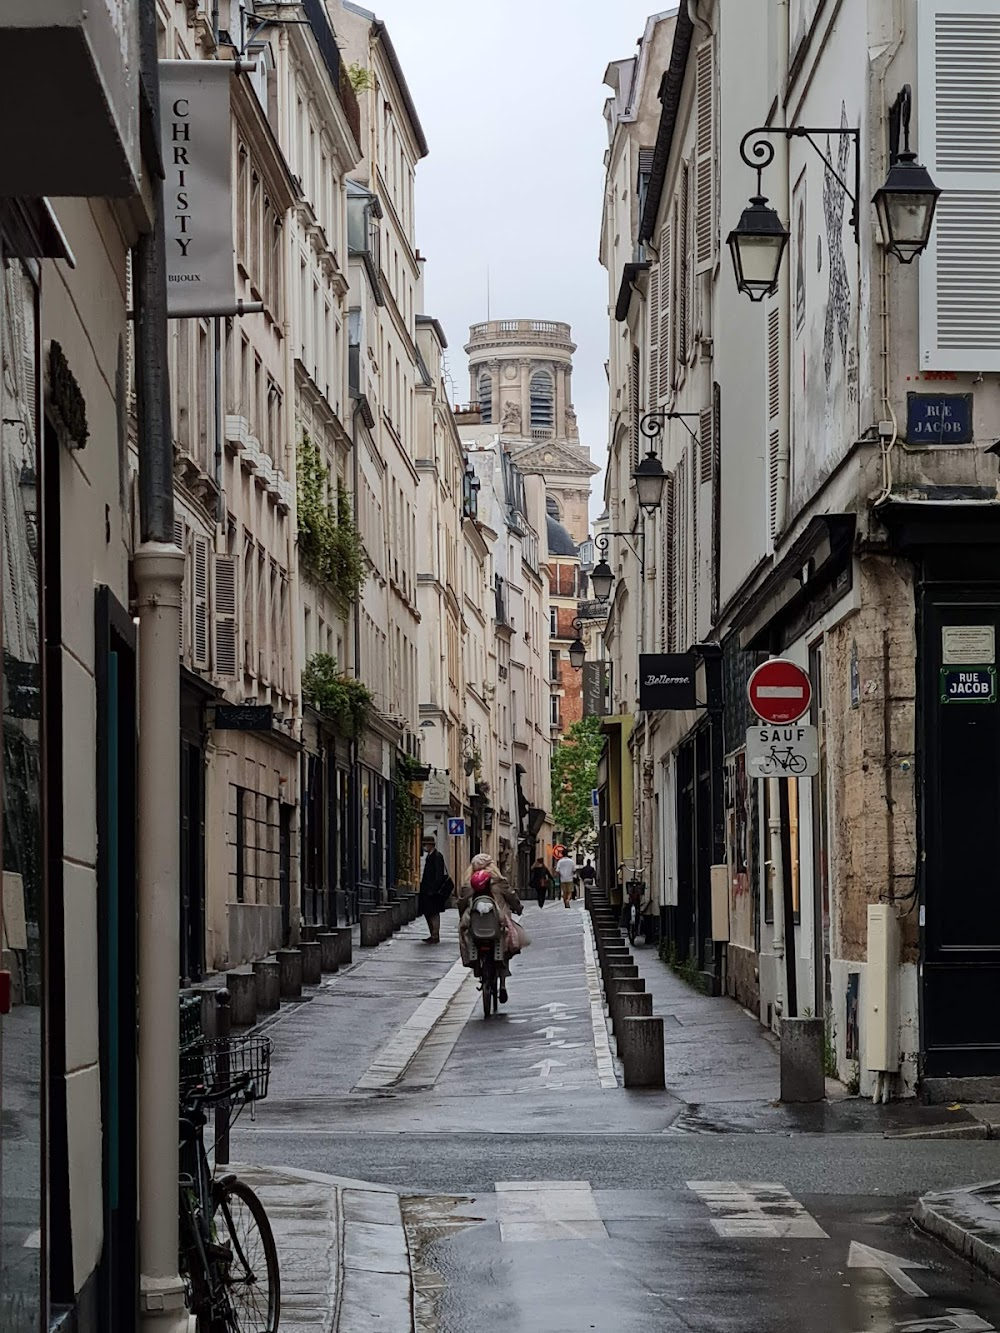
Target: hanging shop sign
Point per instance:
(667, 681)
(198, 189)
(243, 717)
(933, 418)
(595, 689)
(971, 685)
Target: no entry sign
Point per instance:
(779, 691)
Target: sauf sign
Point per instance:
(197, 190)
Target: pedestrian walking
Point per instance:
(588, 874)
(566, 872)
(435, 889)
(540, 880)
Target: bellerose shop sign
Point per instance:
(198, 187)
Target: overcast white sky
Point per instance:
(510, 96)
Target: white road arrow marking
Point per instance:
(553, 1008)
(548, 1033)
(546, 1067)
(865, 1256)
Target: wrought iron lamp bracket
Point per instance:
(651, 426)
(602, 543)
(760, 154)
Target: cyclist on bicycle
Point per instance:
(507, 903)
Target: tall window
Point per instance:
(542, 399)
(486, 398)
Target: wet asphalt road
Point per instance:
(629, 1210)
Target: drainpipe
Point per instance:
(362, 410)
(775, 867)
(782, 204)
(159, 573)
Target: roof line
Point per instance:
(381, 34)
(670, 96)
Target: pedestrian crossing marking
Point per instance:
(543, 1210)
(746, 1209)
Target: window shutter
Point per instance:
(652, 383)
(704, 156)
(677, 265)
(634, 408)
(706, 444)
(683, 266)
(692, 564)
(681, 562)
(670, 544)
(199, 603)
(666, 265)
(180, 541)
(773, 418)
(224, 608)
(667, 565)
(958, 103)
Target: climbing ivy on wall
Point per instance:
(329, 545)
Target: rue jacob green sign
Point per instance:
(968, 685)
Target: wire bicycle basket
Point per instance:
(240, 1066)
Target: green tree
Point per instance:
(574, 777)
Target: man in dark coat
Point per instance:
(433, 889)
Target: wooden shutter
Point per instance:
(683, 265)
(199, 603)
(677, 266)
(706, 444)
(652, 382)
(775, 519)
(670, 566)
(958, 113)
(704, 167)
(692, 565)
(634, 408)
(666, 287)
(180, 541)
(667, 564)
(224, 573)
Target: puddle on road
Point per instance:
(428, 1219)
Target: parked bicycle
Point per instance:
(228, 1258)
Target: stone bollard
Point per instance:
(371, 929)
(290, 971)
(242, 987)
(624, 986)
(329, 959)
(398, 914)
(803, 1077)
(414, 906)
(312, 965)
(385, 914)
(345, 946)
(641, 1049)
(634, 1004)
(308, 933)
(268, 974)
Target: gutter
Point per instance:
(670, 96)
(381, 34)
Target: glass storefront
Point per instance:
(21, 935)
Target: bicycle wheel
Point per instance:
(489, 987)
(251, 1277)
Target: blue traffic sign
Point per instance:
(456, 828)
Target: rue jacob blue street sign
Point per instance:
(972, 685)
(456, 828)
(934, 418)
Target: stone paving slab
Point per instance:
(342, 1251)
(967, 1221)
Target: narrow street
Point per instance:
(422, 1164)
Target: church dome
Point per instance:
(559, 540)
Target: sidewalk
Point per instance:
(342, 1252)
(967, 1221)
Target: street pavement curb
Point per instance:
(967, 1221)
(342, 1249)
(398, 1054)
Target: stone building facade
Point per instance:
(855, 537)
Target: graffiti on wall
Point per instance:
(838, 309)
